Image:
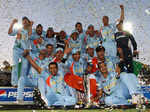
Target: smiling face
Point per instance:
(91, 30)
(103, 68)
(76, 56)
(79, 27)
(74, 36)
(50, 33)
(59, 54)
(101, 55)
(53, 68)
(42, 54)
(39, 30)
(62, 35)
(50, 49)
(105, 20)
(25, 22)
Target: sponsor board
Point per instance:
(146, 91)
(10, 94)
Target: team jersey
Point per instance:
(75, 43)
(93, 41)
(109, 84)
(76, 68)
(55, 83)
(108, 32)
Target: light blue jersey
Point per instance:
(56, 90)
(109, 39)
(76, 68)
(36, 36)
(118, 90)
(93, 41)
(18, 49)
(75, 43)
(33, 78)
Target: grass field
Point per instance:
(116, 110)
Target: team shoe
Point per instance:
(79, 105)
(45, 100)
(139, 99)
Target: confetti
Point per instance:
(147, 11)
(65, 13)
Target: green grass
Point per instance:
(116, 110)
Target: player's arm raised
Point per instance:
(31, 61)
(122, 13)
(10, 30)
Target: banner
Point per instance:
(9, 94)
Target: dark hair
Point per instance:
(50, 28)
(53, 63)
(43, 52)
(106, 17)
(39, 25)
(100, 48)
(23, 18)
(78, 23)
(90, 26)
(49, 45)
(101, 62)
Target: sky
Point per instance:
(63, 14)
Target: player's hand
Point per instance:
(25, 53)
(135, 53)
(121, 6)
(97, 33)
(87, 32)
(31, 23)
(66, 42)
(67, 50)
(14, 21)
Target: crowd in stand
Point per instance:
(86, 67)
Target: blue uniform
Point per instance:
(35, 36)
(38, 47)
(19, 46)
(82, 37)
(109, 39)
(32, 79)
(75, 43)
(93, 41)
(118, 91)
(51, 40)
(76, 68)
(55, 90)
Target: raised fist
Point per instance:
(15, 21)
(31, 23)
(121, 6)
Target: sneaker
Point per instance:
(45, 100)
(77, 106)
(135, 99)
